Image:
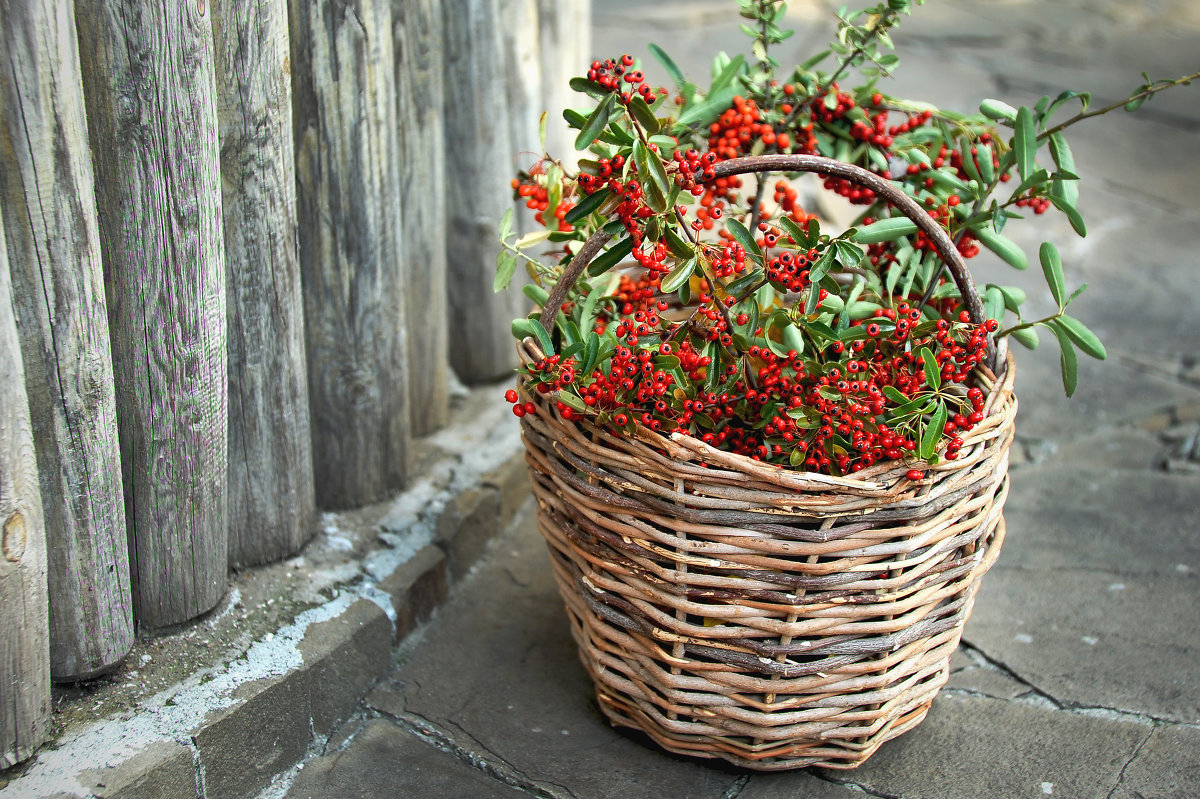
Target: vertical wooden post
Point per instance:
(24, 651)
(58, 293)
(479, 167)
(271, 499)
(347, 196)
(565, 28)
(523, 63)
(152, 120)
(419, 92)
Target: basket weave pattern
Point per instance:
(772, 618)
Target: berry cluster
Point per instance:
(619, 77)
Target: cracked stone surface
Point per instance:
(382, 763)
(1079, 675)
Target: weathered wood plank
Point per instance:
(152, 121)
(58, 293)
(565, 34)
(347, 196)
(419, 94)
(478, 172)
(271, 495)
(523, 45)
(24, 633)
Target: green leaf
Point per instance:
(998, 110)
(657, 173)
(678, 276)
(742, 236)
(1024, 142)
(813, 60)
(656, 191)
(1072, 214)
(532, 328)
(933, 375)
(587, 316)
(1069, 361)
(1005, 247)
(993, 303)
(1065, 161)
(968, 162)
(642, 113)
(571, 335)
(591, 354)
(571, 401)
(987, 170)
(1085, 99)
(610, 257)
(585, 207)
(506, 224)
(847, 253)
(536, 294)
(999, 216)
(1014, 296)
(1036, 178)
(585, 86)
(820, 268)
(679, 246)
(933, 431)
(670, 66)
(1052, 269)
(595, 123)
(794, 231)
(1082, 337)
(1026, 336)
(529, 239)
(894, 395)
(574, 119)
(885, 230)
(829, 393)
(506, 267)
(717, 100)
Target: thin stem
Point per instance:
(1144, 93)
(883, 23)
(1026, 325)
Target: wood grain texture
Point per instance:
(523, 45)
(348, 202)
(152, 121)
(24, 625)
(58, 292)
(419, 95)
(480, 163)
(271, 494)
(565, 37)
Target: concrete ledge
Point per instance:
(228, 731)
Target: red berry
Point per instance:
(511, 395)
(915, 474)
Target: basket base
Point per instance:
(781, 757)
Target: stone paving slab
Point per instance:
(383, 764)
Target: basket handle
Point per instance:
(783, 162)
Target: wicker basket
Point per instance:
(773, 618)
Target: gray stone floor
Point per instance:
(1079, 675)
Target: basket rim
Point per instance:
(872, 480)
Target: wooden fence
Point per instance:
(243, 243)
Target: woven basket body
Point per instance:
(772, 618)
